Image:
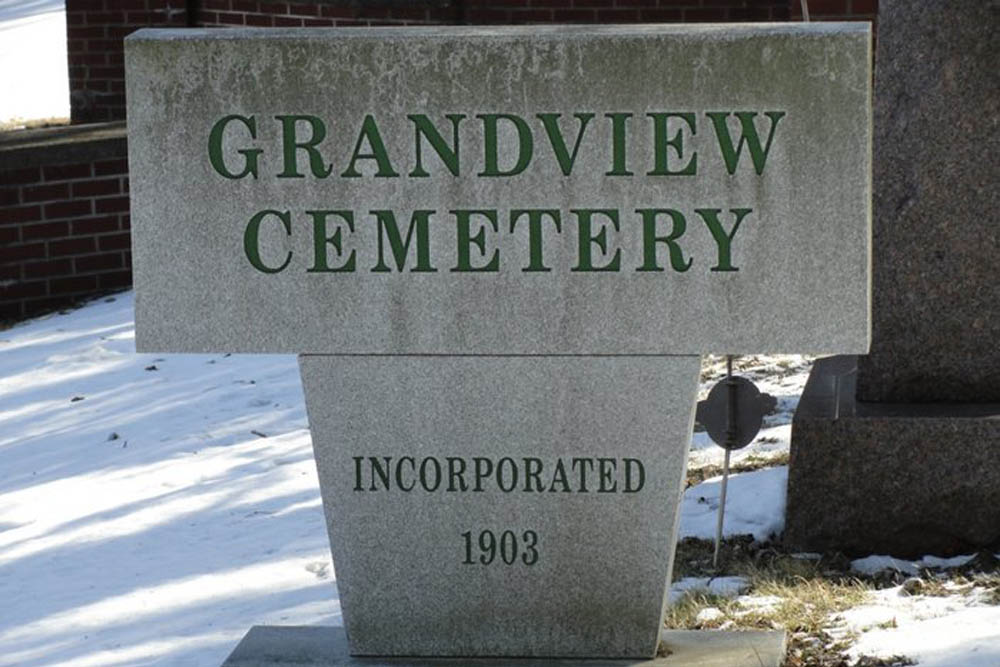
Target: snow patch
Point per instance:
(755, 505)
(872, 565)
(952, 631)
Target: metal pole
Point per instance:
(722, 511)
(731, 437)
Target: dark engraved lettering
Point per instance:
(583, 464)
(605, 474)
(484, 474)
(508, 547)
(456, 472)
(533, 475)
(377, 469)
(424, 476)
(559, 477)
(511, 474)
(484, 467)
(640, 475)
(399, 473)
(357, 473)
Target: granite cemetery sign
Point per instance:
(500, 253)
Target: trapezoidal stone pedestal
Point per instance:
(900, 478)
(501, 506)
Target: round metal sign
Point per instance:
(734, 412)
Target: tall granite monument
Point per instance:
(500, 253)
(898, 451)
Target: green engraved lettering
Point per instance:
(619, 129)
(723, 240)
(650, 239)
(291, 145)
(525, 144)
(321, 241)
(535, 245)
(749, 135)
(465, 238)
(551, 123)
(587, 239)
(448, 154)
(369, 132)
(251, 239)
(388, 229)
(661, 144)
(249, 154)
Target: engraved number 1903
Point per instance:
(507, 547)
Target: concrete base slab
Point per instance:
(905, 479)
(312, 646)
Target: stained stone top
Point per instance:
(517, 190)
(937, 204)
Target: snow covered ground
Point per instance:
(34, 76)
(151, 508)
(154, 507)
(959, 630)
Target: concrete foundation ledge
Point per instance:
(318, 646)
(62, 144)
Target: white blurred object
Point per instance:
(34, 73)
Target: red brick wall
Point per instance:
(64, 233)
(268, 13)
(836, 10)
(94, 33)
(320, 13)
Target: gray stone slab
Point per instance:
(800, 257)
(586, 540)
(905, 479)
(937, 204)
(276, 646)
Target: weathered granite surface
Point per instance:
(285, 646)
(589, 581)
(795, 277)
(936, 301)
(904, 479)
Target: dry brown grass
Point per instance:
(748, 464)
(799, 595)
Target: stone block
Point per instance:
(904, 479)
(937, 204)
(695, 189)
(501, 506)
(285, 646)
